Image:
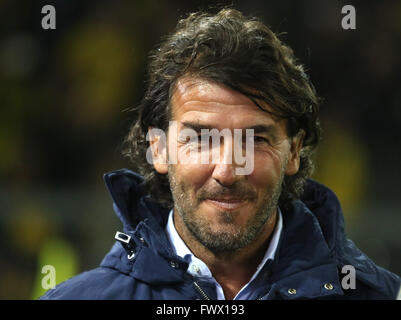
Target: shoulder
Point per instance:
(373, 282)
(97, 284)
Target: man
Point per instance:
(197, 227)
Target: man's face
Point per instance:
(221, 210)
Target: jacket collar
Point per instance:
(306, 253)
(303, 261)
(143, 220)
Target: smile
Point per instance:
(227, 204)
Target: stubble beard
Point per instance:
(233, 239)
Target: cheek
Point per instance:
(193, 176)
(267, 170)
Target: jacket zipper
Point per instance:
(205, 296)
(200, 290)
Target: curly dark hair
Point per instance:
(243, 54)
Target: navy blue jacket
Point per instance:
(312, 252)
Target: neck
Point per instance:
(232, 270)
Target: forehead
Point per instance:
(205, 101)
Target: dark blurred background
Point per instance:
(64, 93)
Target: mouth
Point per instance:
(227, 204)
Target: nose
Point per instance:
(224, 171)
(224, 174)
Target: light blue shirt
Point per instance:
(198, 269)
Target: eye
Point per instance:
(187, 136)
(258, 139)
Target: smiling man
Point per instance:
(226, 218)
(199, 229)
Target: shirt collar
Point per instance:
(198, 267)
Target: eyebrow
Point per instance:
(196, 126)
(257, 129)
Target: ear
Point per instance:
(158, 149)
(294, 160)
